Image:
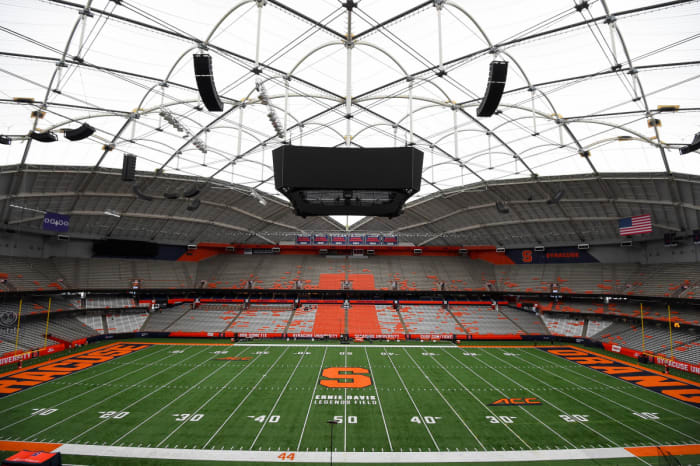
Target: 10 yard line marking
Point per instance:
(600, 382)
(94, 404)
(445, 400)
(627, 407)
(53, 393)
(142, 398)
(171, 402)
(311, 401)
(272, 410)
(245, 398)
(523, 409)
(414, 403)
(376, 390)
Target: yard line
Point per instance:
(145, 396)
(566, 363)
(413, 402)
(626, 407)
(444, 399)
(94, 404)
(311, 401)
(479, 401)
(245, 398)
(550, 403)
(180, 396)
(53, 393)
(379, 401)
(278, 399)
(345, 409)
(522, 409)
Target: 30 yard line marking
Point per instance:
(379, 401)
(313, 394)
(522, 409)
(181, 395)
(479, 401)
(97, 403)
(162, 386)
(445, 399)
(272, 410)
(413, 402)
(565, 363)
(245, 398)
(585, 425)
(52, 393)
(627, 407)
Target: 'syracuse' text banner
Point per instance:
(56, 222)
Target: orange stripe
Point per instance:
(670, 376)
(51, 361)
(30, 446)
(501, 346)
(181, 344)
(660, 451)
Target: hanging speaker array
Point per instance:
(205, 82)
(494, 90)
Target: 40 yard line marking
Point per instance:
(97, 403)
(272, 410)
(379, 401)
(567, 363)
(311, 401)
(245, 398)
(522, 409)
(479, 401)
(628, 408)
(413, 402)
(444, 399)
(52, 393)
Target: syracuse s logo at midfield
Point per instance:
(351, 377)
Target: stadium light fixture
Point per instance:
(693, 146)
(258, 197)
(5, 140)
(112, 213)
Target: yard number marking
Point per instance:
(188, 417)
(645, 415)
(501, 419)
(574, 417)
(427, 419)
(43, 411)
(113, 414)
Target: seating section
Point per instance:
(108, 302)
(429, 319)
(362, 320)
(94, 321)
(596, 326)
(527, 321)
(484, 320)
(302, 321)
(160, 320)
(389, 321)
(32, 332)
(567, 326)
(330, 320)
(262, 319)
(206, 318)
(125, 323)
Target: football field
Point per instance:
(400, 403)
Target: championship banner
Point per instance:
(373, 240)
(356, 240)
(339, 240)
(303, 239)
(321, 239)
(56, 222)
(391, 240)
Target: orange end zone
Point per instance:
(665, 450)
(53, 361)
(30, 446)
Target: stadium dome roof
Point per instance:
(600, 96)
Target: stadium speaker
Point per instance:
(463, 252)
(417, 252)
(370, 252)
(347, 181)
(556, 198)
(494, 90)
(501, 250)
(670, 240)
(81, 132)
(194, 205)
(141, 195)
(696, 236)
(43, 136)
(129, 167)
(205, 82)
(539, 248)
(169, 195)
(276, 250)
(5, 140)
(626, 244)
(583, 246)
(230, 249)
(192, 191)
(502, 207)
(693, 146)
(191, 247)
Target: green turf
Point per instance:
(427, 399)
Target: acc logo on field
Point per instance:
(516, 402)
(8, 318)
(353, 379)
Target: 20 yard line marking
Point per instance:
(52, 393)
(479, 401)
(523, 409)
(311, 401)
(181, 395)
(94, 404)
(245, 398)
(413, 402)
(379, 401)
(627, 407)
(272, 410)
(566, 363)
(444, 399)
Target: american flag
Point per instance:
(635, 225)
